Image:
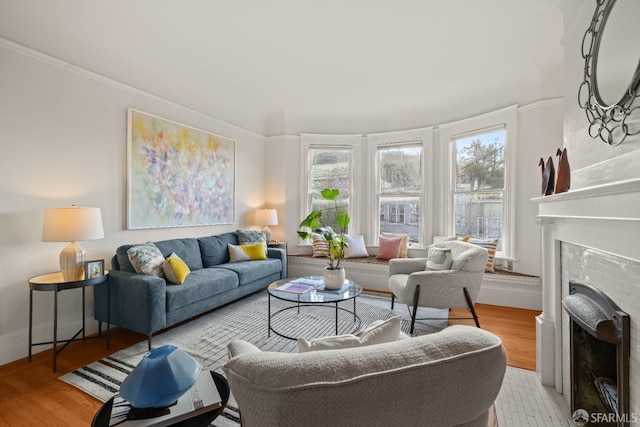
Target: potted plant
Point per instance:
(334, 274)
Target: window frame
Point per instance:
(350, 143)
(375, 142)
(506, 118)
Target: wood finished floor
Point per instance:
(31, 394)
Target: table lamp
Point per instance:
(72, 224)
(267, 217)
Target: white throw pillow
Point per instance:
(439, 259)
(378, 332)
(356, 248)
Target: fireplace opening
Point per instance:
(599, 347)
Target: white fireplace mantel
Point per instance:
(604, 217)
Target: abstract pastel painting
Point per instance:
(177, 175)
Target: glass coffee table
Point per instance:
(316, 297)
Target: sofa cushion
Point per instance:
(250, 271)
(404, 244)
(356, 248)
(199, 285)
(378, 332)
(146, 259)
(249, 252)
(490, 245)
(214, 248)
(389, 247)
(439, 258)
(250, 236)
(175, 269)
(187, 249)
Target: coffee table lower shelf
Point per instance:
(356, 318)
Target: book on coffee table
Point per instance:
(202, 397)
(301, 285)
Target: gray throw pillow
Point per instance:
(250, 236)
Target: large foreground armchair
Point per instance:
(449, 378)
(456, 287)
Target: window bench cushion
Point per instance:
(373, 260)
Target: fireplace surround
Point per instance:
(590, 235)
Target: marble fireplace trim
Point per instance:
(604, 217)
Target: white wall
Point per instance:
(63, 133)
(592, 161)
(539, 135)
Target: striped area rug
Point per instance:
(206, 339)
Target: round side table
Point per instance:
(53, 282)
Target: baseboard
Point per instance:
(15, 346)
(511, 291)
(497, 289)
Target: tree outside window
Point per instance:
(400, 189)
(329, 168)
(479, 184)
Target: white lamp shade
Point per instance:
(71, 224)
(266, 217)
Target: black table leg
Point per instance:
(55, 327)
(30, 321)
(83, 315)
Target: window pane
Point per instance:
(400, 169)
(478, 214)
(400, 215)
(329, 169)
(328, 209)
(480, 161)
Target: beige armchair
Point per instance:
(449, 378)
(458, 287)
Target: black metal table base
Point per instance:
(356, 318)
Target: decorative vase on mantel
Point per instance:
(333, 279)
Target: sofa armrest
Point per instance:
(138, 302)
(239, 347)
(406, 265)
(280, 254)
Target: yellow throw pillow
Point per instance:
(175, 269)
(251, 252)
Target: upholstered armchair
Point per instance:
(449, 378)
(455, 286)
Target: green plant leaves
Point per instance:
(330, 194)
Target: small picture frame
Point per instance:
(93, 269)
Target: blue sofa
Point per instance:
(147, 304)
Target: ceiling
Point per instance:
(290, 66)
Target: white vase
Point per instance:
(333, 279)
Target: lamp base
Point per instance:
(72, 262)
(267, 233)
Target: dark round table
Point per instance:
(101, 419)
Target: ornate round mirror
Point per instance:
(612, 71)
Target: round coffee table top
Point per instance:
(317, 295)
